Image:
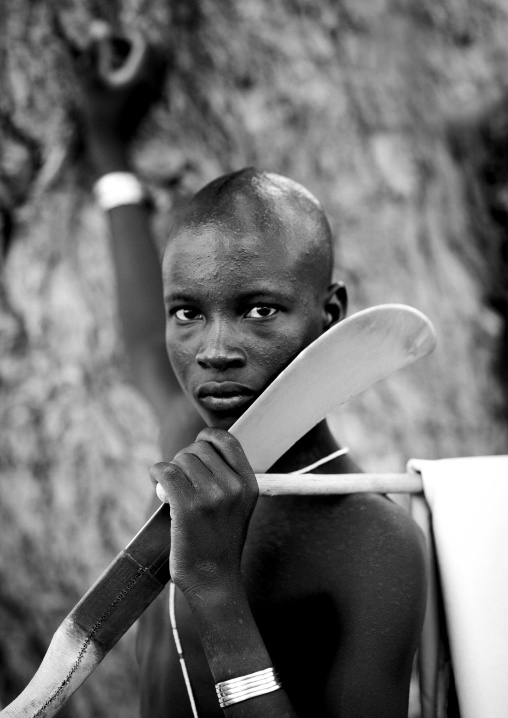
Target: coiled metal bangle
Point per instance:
(116, 189)
(241, 689)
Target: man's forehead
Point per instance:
(214, 263)
(218, 242)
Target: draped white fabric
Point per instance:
(468, 499)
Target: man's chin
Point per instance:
(223, 423)
(222, 419)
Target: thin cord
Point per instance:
(172, 619)
(172, 593)
(324, 460)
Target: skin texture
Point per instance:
(329, 590)
(247, 290)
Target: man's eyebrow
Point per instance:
(179, 297)
(264, 292)
(259, 293)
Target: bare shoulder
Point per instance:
(367, 555)
(379, 524)
(378, 545)
(343, 546)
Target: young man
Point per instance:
(330, 591)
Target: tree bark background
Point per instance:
(392, 113)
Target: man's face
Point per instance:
(239, 308)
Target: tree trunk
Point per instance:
(393, 114)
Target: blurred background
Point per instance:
(395, 114)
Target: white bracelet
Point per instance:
(116, 189)
(241, 689)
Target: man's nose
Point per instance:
(220, 349)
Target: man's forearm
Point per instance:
(138, 276)
(137, 265)
(139, 283)
(234, 647)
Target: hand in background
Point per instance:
(121, 78)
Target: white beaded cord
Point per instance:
(172, 619)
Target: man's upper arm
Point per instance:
(381, 600)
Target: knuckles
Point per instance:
(201, 450)
(162, 472)
(218, 486)
(231, 448)
(222, 438)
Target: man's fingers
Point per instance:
(172, 481)
(207, 455)
(229, 448)
(216, 459)
(195, 464)
(211, 476)
(223, 458)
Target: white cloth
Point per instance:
(468, 498)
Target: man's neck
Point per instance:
(316, 444)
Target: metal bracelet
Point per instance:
(116, 189)
(244, 687)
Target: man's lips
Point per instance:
(224, 395)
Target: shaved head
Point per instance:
(247, 286)
(267, 205)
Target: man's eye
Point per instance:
(186, 314)
(261, 312)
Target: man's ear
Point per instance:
(335, 304)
